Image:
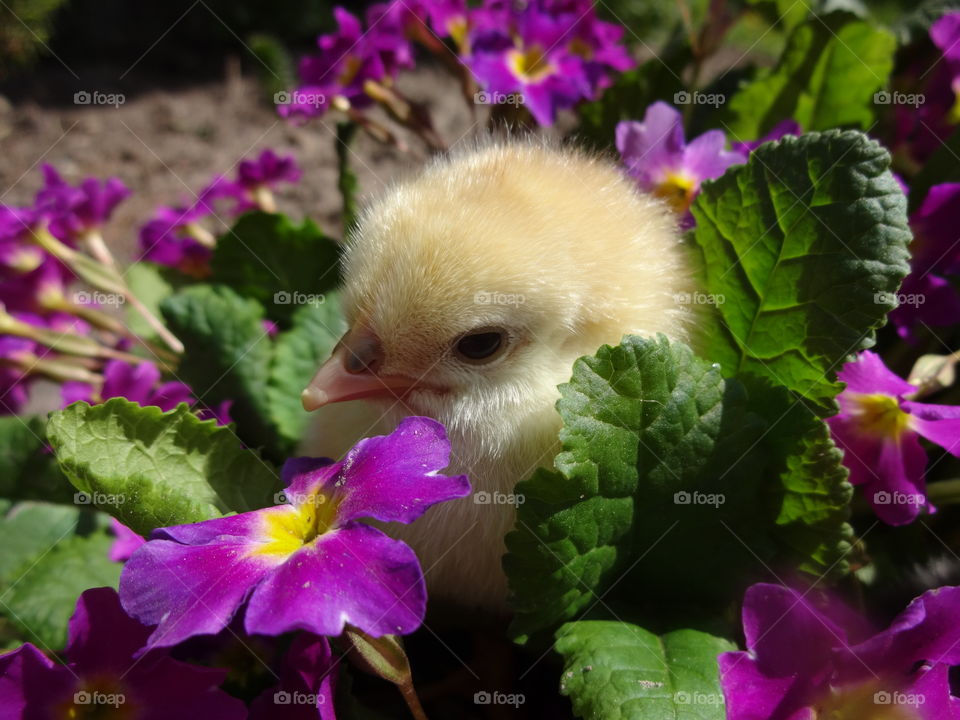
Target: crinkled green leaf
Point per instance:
(281, 265)
(27, 469)
(826, 78)
(152, 469)
(298, 353)
(804, 247)
(643, 421)
(619, 671)
(43, 597)
(227, 357)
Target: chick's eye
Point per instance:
(483, 346)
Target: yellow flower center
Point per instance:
(350, 70)
(529, 65)
(878, 415)
(457, 27)
(868, 702)
(290, 527)
(579, 47)
(677, 190)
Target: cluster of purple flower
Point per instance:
(307, 566)
(544, 54)
(808, 656)
(176, 236)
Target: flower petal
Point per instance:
(750, 695)
(308, 672)
(31, 681)
(867, 374)
(897, 491)
(189, 590)
(100, 635)
(354, 575)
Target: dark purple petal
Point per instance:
(354, 575)
(133, 382)
(30, 681)
(928, 693)
(786, 633)
(308, 681)
(927, 631)
(750, 695)
(101, 636)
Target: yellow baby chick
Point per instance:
(470, 290)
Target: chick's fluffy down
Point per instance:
(553, 245)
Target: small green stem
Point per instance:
(944, 492)
(413, 702)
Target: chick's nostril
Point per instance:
(365, 356)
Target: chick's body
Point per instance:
(551, 251)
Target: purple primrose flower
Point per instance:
(879, 432)
(808, 657)
(102, 677)
(309, 564)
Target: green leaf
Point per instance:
(27, 470)
(804, 248)
(28, 531)
(646, 426)
(152, 469)
(297, 355)
(826, 78)
(619, 671)
(227, 357)
(281, 265)
(45, 594)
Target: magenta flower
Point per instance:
(72, 211)
(170, 239)
(879, 432)
(126, 543)
(138, 383)
(267, 170)
(781, 129)
(17, 254)
(927, 297)
(103, 679)
(348, 58)
(545, 55)
(810, 658)
(663, 163)
(308, 684)
(309, 564)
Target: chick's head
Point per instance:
(471, 289)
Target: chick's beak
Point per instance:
(351, 373)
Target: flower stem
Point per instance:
(944, 492)
(413, 702)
